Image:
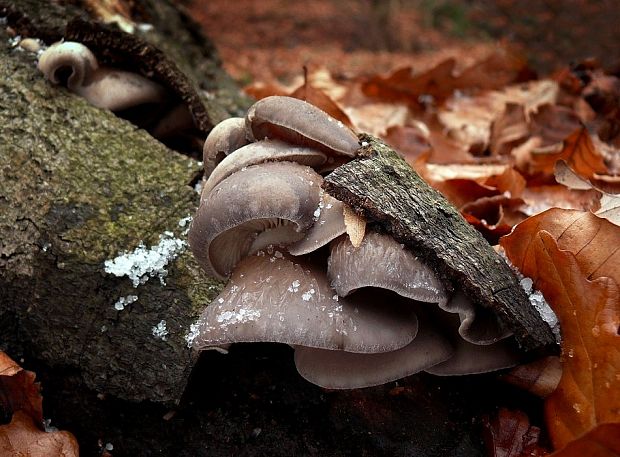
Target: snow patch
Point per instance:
(160, 331)
(124, 301)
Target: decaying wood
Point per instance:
(80, 186)
(383, 187)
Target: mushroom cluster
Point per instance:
(130, 95)
(356, 316)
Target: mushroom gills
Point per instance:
(347, 370)
(298, 122)
(382, 262)
(270, 298)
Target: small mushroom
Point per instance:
(347, 370)
(271, 298)
(382, 262)
(271, 203)
(328, 225)
(259, 152)
(75, 65)
(298, 122)
(226, 137)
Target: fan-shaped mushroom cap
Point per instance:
(347, 370)
(259, 152)
(477, 324)
(471, 358)
(381, 261)
(298, 122)
(226, 137)
(68, 62)
(270, 298)
(271, 203)
(106, 88)
(329, 225)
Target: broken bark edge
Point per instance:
(382, 187)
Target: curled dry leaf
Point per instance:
(589, 390)
(22, 438)
(540, 377)
(18, 389)
(509, 434)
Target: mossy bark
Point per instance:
(79, 186)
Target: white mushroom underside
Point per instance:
(269, 298)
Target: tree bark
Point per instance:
(79, 186)
(380, 185)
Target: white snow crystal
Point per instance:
(143, 263)
(160, 331)
(124, 301)
(194, 331)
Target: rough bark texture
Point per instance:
(79, 186)
(382, 186)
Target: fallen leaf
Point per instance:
(22, 438)
(610, 208)
(509, 434)
(18, 389)
(594, 241)
(602, 441)
(355, 225)
(540, 377)
(578, 151)
(589, 390)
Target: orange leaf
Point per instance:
(602, 441)
(589, 390)
(18, 390)
(22, 438)
(594, 241)
(509, 434)
(578, 151)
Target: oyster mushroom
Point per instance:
(260, 152)
(271, 203)
(75, 65)
(226, 137)
(295, 121)
(275, 299)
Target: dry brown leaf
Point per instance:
(22, 438)
(601, 441)
(540, 377)
(594, 241)
(589, 390)
(355, 225)
(542, 198)
(610, 208)
(18, 389)
(578, 151)
(509, 434)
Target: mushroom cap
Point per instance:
(347, 370)
(298, 122)
(226, 137)
(259, 152)
(271, 203)
(270, 298)
(382, 262)
(68, 62)
(119, 90)
(478, 325)
(328, 225)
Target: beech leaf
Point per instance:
(601, 441)
(18, 389)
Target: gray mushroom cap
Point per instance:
(106, 88)
(328, 225)
(346, 370)
(478, 325)
(382, 262)
(298, 122)
(271, 203)
(259, 152)
(271, 298)
(226, 137)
